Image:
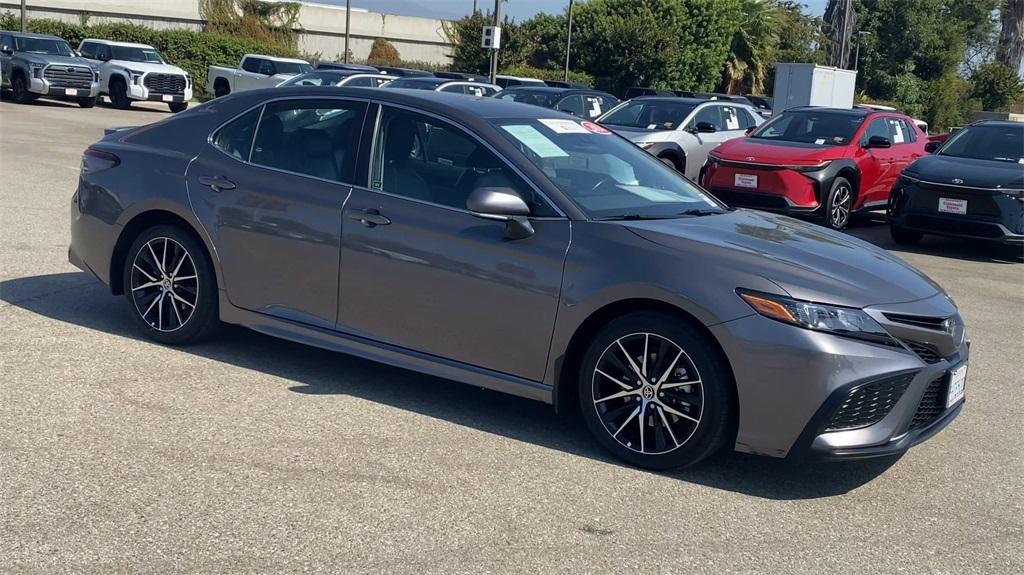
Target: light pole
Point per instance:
(568, 44)
(494, 52)
(856, 58)
(348, 17)
(22, 15)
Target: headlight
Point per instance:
(36, 69)
(844, 321)
(136, 74)
(909, 178)
(811, 168)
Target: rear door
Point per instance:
(272, 204)
(420, 272)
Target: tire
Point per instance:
(670, 433)
(904, 236)
(221, 88)
(839, 204)
(87, 102)
(119, 94)
(19, 89)
(176, 107)
(166, 316)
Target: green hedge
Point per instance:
(548, 74)
(190, 50)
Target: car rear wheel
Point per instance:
(839, 204)
(119, 94)
(654, 392)
(170, 286)
(902, 235)
(220, 88)
(19, 89)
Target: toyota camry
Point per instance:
(524, 250)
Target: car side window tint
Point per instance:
(267, 68)
(909, 130)
(572, 105)
(235, 138)
(709, 114)
(877, 127)
(453, 89)
(594, 106)
(6, 41)
(747, 119)
(252, 65)
(318, 138)
(422, 158)
(88, 50)
(897, 131)
(102, 52)
(359, 82)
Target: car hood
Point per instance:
(971, 172)
(57, 60)
(642, 135)
(149, 67)
(808, 261)
(761, 151)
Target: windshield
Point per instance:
(292, 67)
(606, 175)
(48, 46)
(649, 114)
(529, 97)
(135, 54)
(997, 143)
(817, 127)
(315, 79)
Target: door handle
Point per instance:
(217, 184)
(368, 218)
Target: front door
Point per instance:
(727, 126)
(273, 204)
(421, 272)
(876, 164)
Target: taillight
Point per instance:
(94, 160)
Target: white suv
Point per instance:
(137, 72)
(680, 131)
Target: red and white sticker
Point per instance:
(596, 128)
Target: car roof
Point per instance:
(31, 35)
(998, 123)
(676, 100)
(431, 80)
(275, 58)
(846, 111)
(113, 43)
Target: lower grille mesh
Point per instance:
(868, 404)
(932, 404)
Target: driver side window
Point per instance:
(709, 114)
(877, 127)
(267, 68)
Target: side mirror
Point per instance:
(6, 50)
(705, 128)
(931, 146)
(102, 57)
(878, 142)
(502, 204)
(749, 130)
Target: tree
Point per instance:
(383, 53)
(753, 45)
(997, 86)
(1010, 50)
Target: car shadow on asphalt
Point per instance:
(871, 227)
(315, 372)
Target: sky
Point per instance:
(518, 9)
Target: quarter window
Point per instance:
(425, 159)
(318, 138)
(235, 139)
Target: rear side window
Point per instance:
(235, 139)
(318, 138)
(267, 68)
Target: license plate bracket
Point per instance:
(70, 92)
(745, 181)
(953, 206)
(956, 388)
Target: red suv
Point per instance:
(826, 161)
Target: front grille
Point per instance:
(932, 404)
(954, 226)
(979, 202)
(752, 200)
(868, 404)
(60, 76)
(165, 83)
(927, 353)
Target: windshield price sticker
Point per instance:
(563, 126)
(596, 128)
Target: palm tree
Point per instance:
(752, 44)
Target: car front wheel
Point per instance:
(19, 88)
(654, 392)
(839, 204)
(170, 286)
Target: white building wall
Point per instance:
(323, 26)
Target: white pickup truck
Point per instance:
(253, 72)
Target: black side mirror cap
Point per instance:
(878, 142)
(706, 128)
(931, 146)
(7, 50)
(502, 204)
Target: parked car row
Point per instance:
(35, 65)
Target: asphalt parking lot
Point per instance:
(250, 454)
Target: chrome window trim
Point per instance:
(209, 138)
(502, 158)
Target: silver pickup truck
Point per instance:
(34, 65)
(253, 72)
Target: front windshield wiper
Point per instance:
(633, 217)
(701, 212)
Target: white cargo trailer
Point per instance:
(812, 85)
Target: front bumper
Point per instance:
(778, 190)
(791, 381)
(46, 88)
(142, 93)
(991, 216)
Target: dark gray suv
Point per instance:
(520, 249)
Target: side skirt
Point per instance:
(385, 353)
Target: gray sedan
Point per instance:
(524, 250)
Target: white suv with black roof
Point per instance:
(137, 72)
